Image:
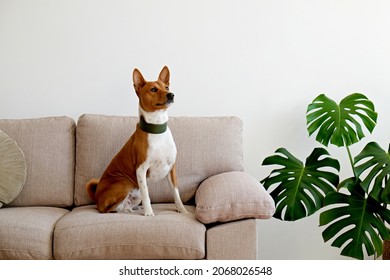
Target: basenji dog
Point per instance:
(149, 154)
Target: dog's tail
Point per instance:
(91, 188)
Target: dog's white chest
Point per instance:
(161, 155)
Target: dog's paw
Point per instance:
(183, 211)
(151, 214)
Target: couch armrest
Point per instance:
(232, 196)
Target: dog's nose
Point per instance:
(170, 96)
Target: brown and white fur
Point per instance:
(145, 157)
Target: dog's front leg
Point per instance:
(143, 187)
(175, 191)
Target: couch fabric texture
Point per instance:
(53, 217)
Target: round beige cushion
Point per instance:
(12, 169)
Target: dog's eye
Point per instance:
(153, 89)
(167, 88)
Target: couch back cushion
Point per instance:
(206, 146)
(48, 145)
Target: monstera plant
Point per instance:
(355, 213)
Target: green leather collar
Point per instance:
(152, 128)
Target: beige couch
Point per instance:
(53, 218)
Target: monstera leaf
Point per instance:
(378, 162)
(356, 219)
(339, 124)
(300, 188)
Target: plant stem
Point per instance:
(351, 161)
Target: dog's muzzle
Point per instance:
(170, 97)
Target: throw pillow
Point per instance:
(12, 169)
(232, 196)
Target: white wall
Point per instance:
(263, 61)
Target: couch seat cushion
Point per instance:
(27, 232)
(87, 234)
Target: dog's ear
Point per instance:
(164, 76)
(138, 80)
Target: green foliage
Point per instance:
(339, 124)
(357, 219)
(300, 188)
(379, 161)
